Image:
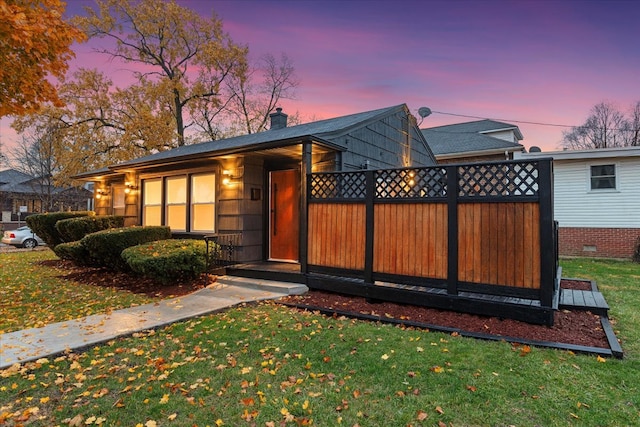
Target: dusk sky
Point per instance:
(539, 61)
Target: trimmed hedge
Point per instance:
(74, 229)
(106, 246)
(76, 252)
(44, 225)
(168, 260)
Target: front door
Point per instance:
(284, 237)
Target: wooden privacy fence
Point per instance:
(456, 232)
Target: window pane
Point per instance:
(177, 217)
(118, 198)
(176, 190)
(152, 191)
(204, 217)
(203, 188)
(603, 177)
(152, 215)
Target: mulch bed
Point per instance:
(570, 327)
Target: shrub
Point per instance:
(44, 225)
(76, 252)
(106, 246)
(167, 260)
(73, 229)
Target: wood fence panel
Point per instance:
(408, 237)
(336, 235)
(499, 244)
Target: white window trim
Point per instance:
(616, 166)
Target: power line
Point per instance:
(506, 120)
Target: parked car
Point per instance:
(22, 237)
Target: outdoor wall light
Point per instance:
(230, 177)
(129, 187)
(101, 192)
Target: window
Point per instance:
(203, 202)
(118, 200)
(152, 202)
(603, 177)
(176, 197)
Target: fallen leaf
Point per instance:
(439, 410)
(422, 415)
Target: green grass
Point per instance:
(268, 365)
(33, 295)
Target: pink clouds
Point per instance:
(546, 62)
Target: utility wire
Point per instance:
(506, 120)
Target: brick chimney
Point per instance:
(278, 119)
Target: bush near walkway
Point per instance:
(167, 260)
(44, 225)
(74, 229)
(105, 247)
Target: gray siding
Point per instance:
(392, 142)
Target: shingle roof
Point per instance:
(480, 126)
(320, 130)
(469, 137)
(13, 177)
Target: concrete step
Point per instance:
(285, 288)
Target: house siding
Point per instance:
(600, 223)
(388, 143)
(577, 206)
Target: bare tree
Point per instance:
(605, 127)
(34, 156)
(634, 125)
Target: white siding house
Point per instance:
(596, 200)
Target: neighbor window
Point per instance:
(176, 199)
(203, 202)
(152, 202)
(603, 177)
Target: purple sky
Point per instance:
(541, 61)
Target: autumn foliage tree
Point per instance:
(35, 44)
(182, 56)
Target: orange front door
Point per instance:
(284, 224)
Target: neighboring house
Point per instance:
(22, 194)
(482, 140)
(596, 200)
(255, 185)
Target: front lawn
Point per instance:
(33, 294)
(268, 365)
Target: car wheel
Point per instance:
(29, 243)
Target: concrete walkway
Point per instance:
(56, 338)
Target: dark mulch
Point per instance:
(127, 281)
(570, 327)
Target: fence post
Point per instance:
(370, 190)
(305, 187)
(452, 230)
(548, 250)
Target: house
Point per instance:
(22, 194)
(482, 140)
(358, 205)
(255, 185)
(596, 200)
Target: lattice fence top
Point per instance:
(411, 183)
(496, 180)
(343, 185)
